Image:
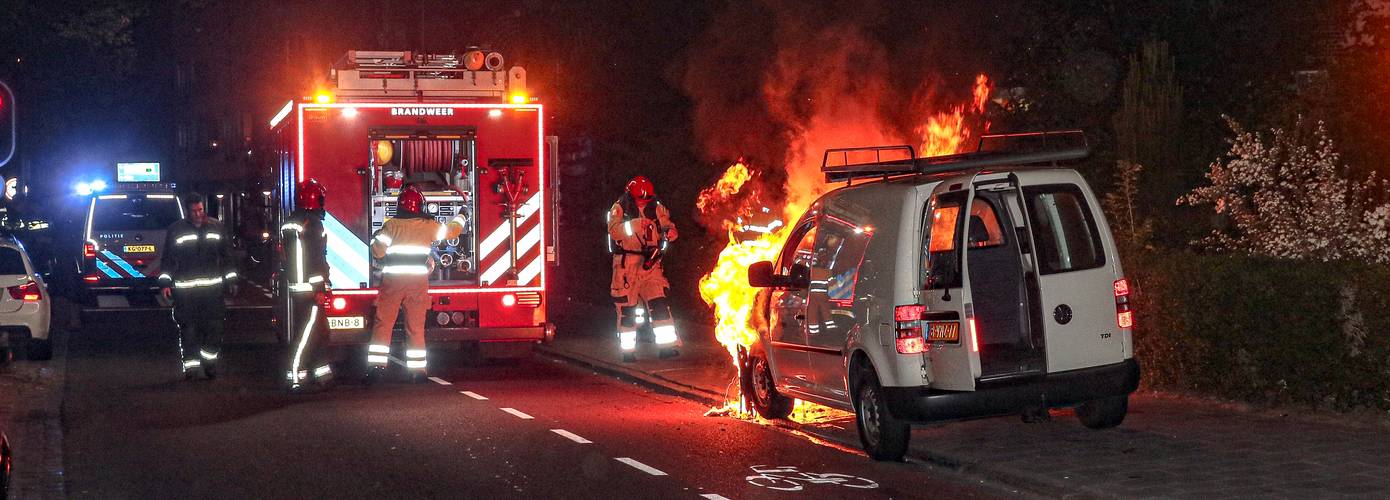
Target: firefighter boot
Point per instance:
(375, 374)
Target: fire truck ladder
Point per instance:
(387, 76)
(994, 150)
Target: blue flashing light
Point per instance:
(98, 185)
(84, 189)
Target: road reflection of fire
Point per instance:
(738, 191)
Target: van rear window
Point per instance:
(1064, 229)
(136, 213)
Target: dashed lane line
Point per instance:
(441, 381)
(712, 496)
(641, 466)
(473, 395)
(518, 414)
(571, 436)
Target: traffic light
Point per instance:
(7, 124)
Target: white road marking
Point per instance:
(441, 381)
(641, 466)
(712, 496)
(518, 414)
(571, 436)
(473, 395)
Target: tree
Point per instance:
(1288, 196)
(1149, 117)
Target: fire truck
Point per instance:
(461, 127)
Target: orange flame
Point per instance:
(726, 187)
(726, 288)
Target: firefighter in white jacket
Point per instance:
(403, 247)
(639, 228)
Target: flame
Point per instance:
(845, 121)
(725, 188)
(946, 133)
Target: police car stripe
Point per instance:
(105, 269)
(125, 266)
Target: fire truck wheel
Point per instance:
(884, 437)
(769, 403)
(1103, 413)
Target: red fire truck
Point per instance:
(465, 130)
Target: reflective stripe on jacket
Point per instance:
(306, 250)
(196, 257)
(404, 243)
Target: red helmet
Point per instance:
(410, 200)
(310, 195)
(641, 189)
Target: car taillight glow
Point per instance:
(91, 279)
(89, 250)
(974, 337)
(28, 292)
(509, 299)
(1124, 314)
(339, 303)
(909, 337)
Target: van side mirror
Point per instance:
(760, 275)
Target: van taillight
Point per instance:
(28, 292)
(909, 338)
(89, 250)
(1124, 315)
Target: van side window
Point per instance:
(839, 253)
(798, 251)
(1064, 229)
(941, 261)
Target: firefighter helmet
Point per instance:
(641, 189)
(310, 195)
(411, 200)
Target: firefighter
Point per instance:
(403, 249)
(197, 269)
(305, 261)
(639, 228)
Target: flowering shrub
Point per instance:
(1287, 196)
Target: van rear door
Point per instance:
(954, 355)
(1075, 277)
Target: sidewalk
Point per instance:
(1168, 447)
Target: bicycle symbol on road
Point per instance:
(787, 478)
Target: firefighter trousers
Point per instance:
(411, 291)
(308, 333)
(640, 297)
(199, 314)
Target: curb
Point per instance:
(652, 381)
(957, 465)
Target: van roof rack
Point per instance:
(1027, 148)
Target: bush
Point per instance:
(1264, 330)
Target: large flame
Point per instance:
(845, 122)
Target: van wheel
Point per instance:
(38, 349)
(1103, 413)
(884, 437)
(769, 403)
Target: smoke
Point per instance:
(777, 83)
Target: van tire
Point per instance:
(769, 403)
(884, 437)
(1103, 413)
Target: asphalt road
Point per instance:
(533, 428)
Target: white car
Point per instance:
(941, 289)
(25, 307)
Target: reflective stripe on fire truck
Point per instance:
(525, 244)
(347, 255)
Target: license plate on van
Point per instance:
(943, 331)
(346, 323)
(139, 249)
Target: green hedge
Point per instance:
(1261, 330)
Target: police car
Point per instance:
(948, 288)
(122, 236)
